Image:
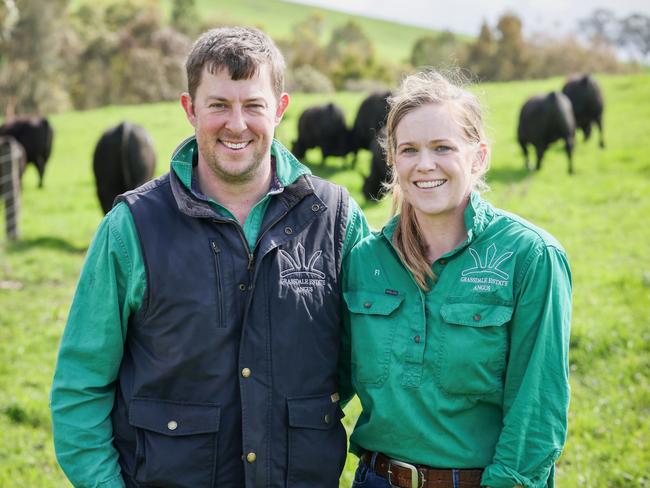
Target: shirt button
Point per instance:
(417, 339)
(251, 457)
(242, 287)
(442, 261)
(172, 425)
(245, 372)
(367, 305)
(477, 317)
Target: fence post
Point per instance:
(11, 156)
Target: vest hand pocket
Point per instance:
(176, 442)
(317, 441)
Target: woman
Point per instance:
(459, 315)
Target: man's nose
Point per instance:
(236, 121)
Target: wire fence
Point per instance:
(10, 158)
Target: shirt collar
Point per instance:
(477, 215)
(286, 168)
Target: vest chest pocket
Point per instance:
(473, 347)
(176, 442)
(317, 442)
(373, 321)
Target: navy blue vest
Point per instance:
(229, 371)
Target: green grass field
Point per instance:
(600, 215)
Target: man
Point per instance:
(202, 345)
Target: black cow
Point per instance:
(35, 134)
(322, 126)
(124, 159)
(587, 101)
(370, 118)
(543, 120)
(373, 186)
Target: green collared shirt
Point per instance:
(474, 372)
(110, 289)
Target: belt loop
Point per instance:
(454, 474)
(373, 460)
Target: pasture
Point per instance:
(599, 215)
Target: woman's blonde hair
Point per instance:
(416, 90)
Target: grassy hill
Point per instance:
(392, 41)
(599, 215)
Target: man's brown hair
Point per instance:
(241, 50)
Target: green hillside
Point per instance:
(599, 215)
(392, 41)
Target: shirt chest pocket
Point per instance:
(373, 321)
(473, 347)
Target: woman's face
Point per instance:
(436, 167)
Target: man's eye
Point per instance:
(217, 105)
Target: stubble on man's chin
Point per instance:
(250, 174)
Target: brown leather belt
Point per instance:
(407, 475)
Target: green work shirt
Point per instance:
(110, 289)
(473, 373)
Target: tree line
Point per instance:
(123, 51)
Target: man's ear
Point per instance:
(188, 107)
(283, 103)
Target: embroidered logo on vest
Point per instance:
(298, 273)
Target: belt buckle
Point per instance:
(415, 479)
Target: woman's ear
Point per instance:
(480, 158)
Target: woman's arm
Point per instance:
(536, 391)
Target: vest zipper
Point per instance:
(217, 269)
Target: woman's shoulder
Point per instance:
(521, 231)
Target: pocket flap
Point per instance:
(476, 314)
(314, 412)
(174, 418)
(368, 302)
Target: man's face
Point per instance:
(234, 123)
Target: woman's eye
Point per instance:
(407, 150)
(443, 148)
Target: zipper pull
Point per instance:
(251, 260)
(214, 247)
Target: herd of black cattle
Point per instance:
(124, 157)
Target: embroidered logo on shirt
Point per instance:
(298, 273)
(486, 271)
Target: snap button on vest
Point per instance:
(242, 287)
(245, 372)
(315, 207)
(367, 305)
(477, 317)
(328, 419)
(288, 231)
(172, 425)
(251, 457)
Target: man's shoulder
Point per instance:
(147, 189)
(321, 184)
